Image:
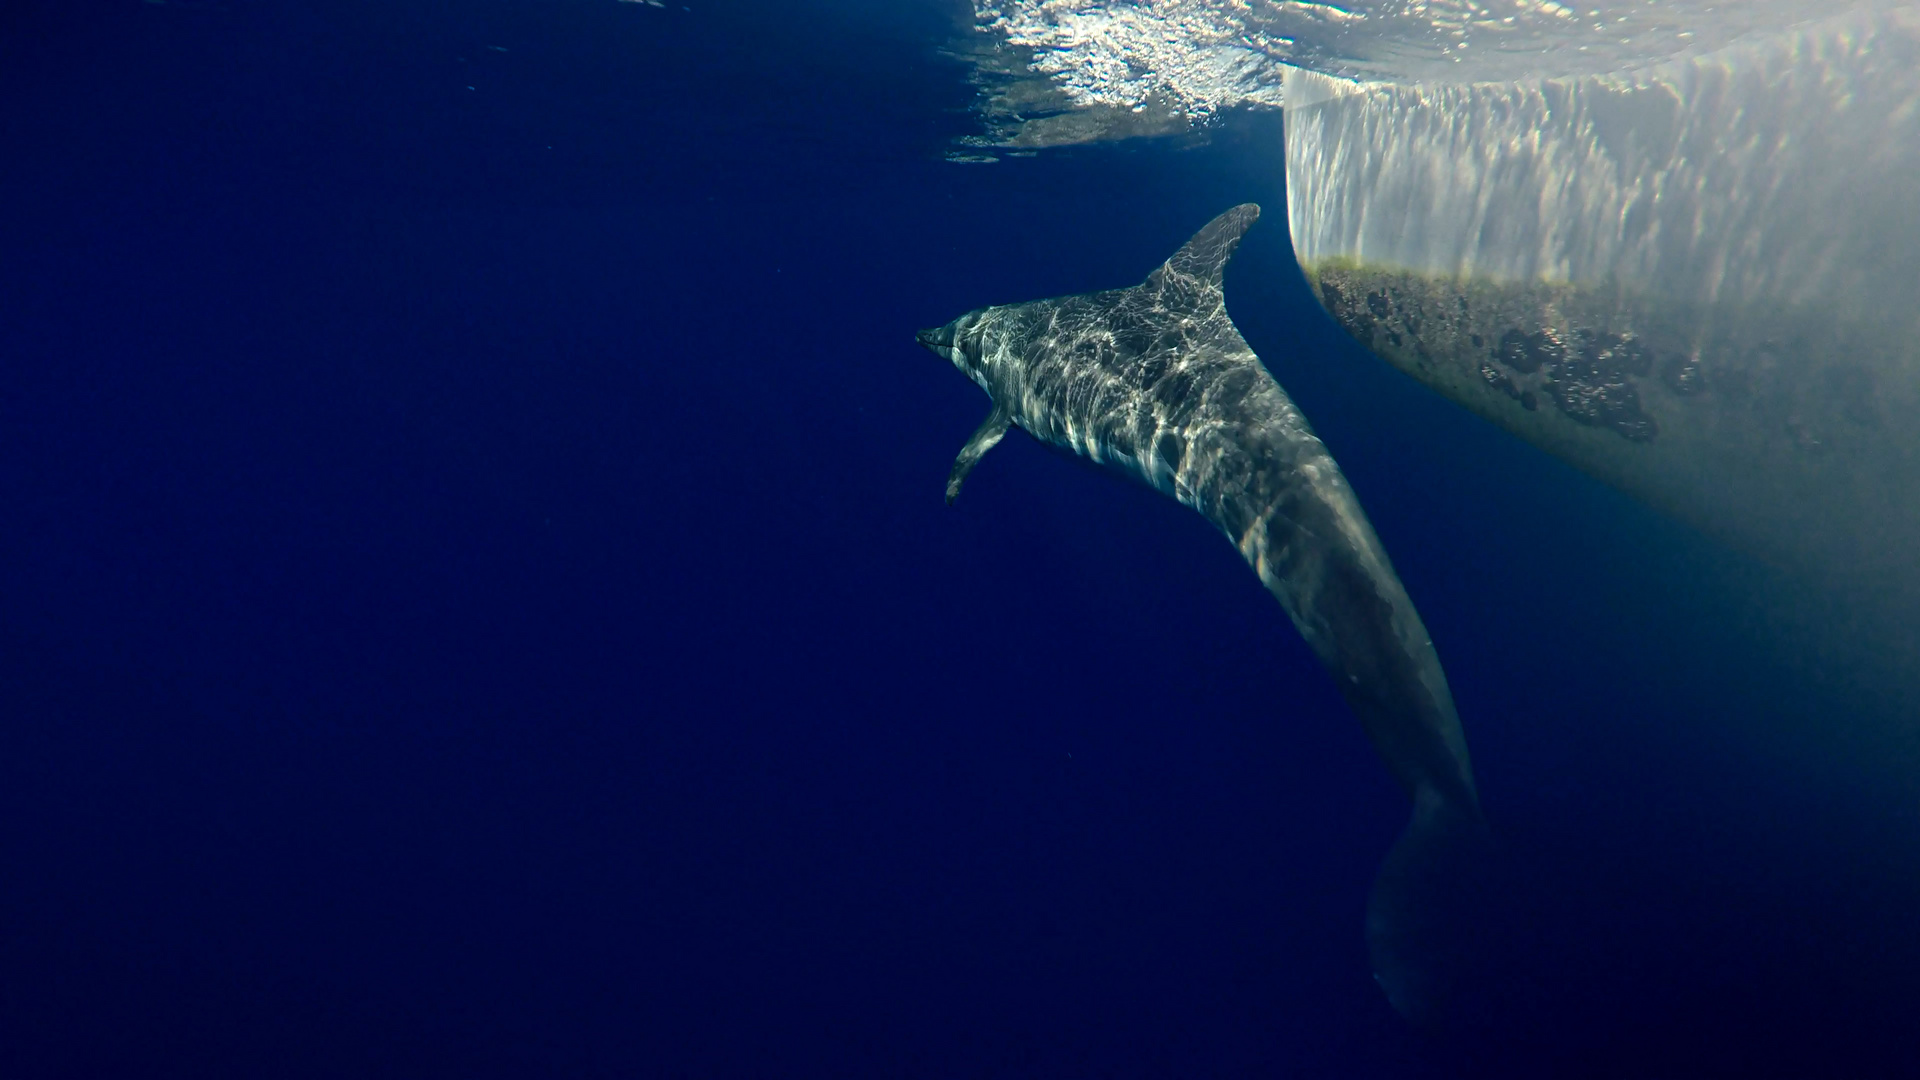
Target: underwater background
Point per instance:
(476, 599)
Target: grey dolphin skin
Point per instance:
(1157, 382)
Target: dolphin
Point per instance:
(1156, 382)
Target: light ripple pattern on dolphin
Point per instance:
(1156, 382)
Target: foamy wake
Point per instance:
(1196, 58)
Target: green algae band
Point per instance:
(1776, 431)
(1698, 281)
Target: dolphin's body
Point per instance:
(1157, 382)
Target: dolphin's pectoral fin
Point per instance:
(1195, 272)
(990, 432)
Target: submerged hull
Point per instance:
(1699, 282)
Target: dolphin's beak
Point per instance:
(937, 340)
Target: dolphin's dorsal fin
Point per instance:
(989, 434)
(1194, 272)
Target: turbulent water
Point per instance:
(1060, 71)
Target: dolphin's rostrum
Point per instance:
(1157, 382)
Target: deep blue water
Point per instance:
(476, 600)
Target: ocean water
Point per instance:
(476, 600)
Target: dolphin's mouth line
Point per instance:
(932, 339)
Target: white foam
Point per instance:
(1207, 55)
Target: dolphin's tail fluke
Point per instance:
(1426, 906)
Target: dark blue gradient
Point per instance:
(476, 600)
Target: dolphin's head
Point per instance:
(960, 341)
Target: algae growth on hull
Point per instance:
(1784, 431)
